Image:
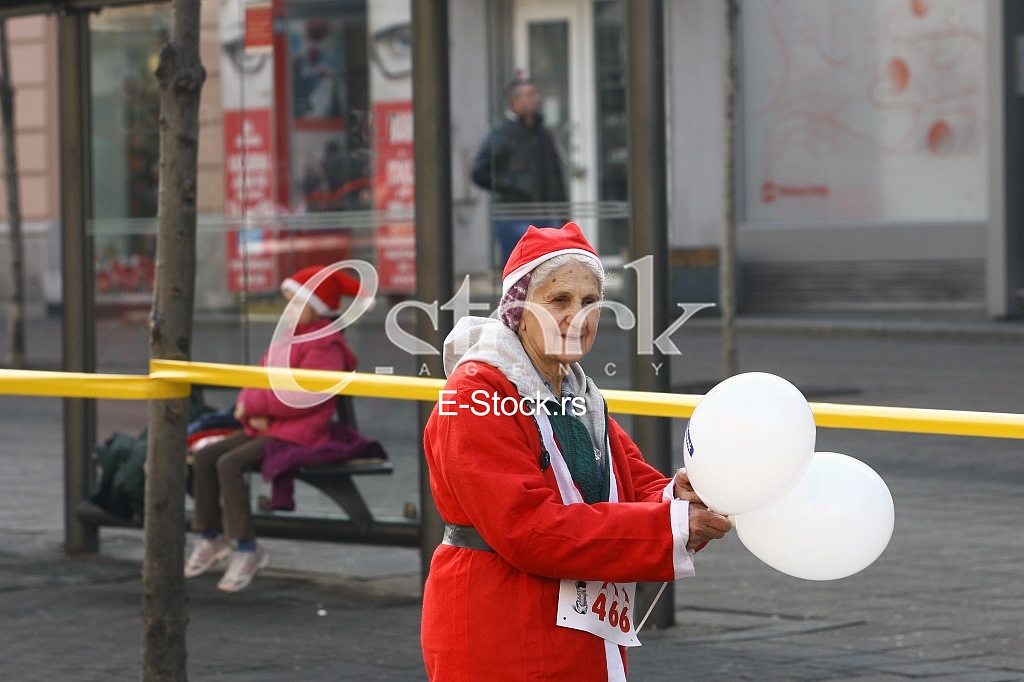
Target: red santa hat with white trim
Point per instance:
(326, 298)
(543, 244)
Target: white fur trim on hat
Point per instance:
(516, 274)
(318, 304)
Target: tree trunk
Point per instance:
(16, 301)
(164, 618)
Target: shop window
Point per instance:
(314, 168)
(125, 147)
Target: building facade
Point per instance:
(868, 150)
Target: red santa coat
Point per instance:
(491, 615)
(308, 426)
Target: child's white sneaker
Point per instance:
(207, 554)
(243, 568)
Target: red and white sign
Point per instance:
(249, 192)
(259, 28)
(837, 132)
(394, 196)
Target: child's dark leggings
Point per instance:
(219, 471)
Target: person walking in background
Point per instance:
(518, 163)
(273, 428)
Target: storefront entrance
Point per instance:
(572, 50)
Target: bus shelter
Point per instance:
(422, 28)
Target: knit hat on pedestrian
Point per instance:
(326, 297)
(543, 244)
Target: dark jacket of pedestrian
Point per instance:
(519, 162)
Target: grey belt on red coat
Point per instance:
(464, 536)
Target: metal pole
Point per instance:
(77, 274)
(1010, 301)
(648, 215)
(16, 244)
(727, 262)
(433, 168)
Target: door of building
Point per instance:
(553, 46)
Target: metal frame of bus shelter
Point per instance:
(432, 143)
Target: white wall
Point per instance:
(696, 79)
(36, 240)
(471, 233)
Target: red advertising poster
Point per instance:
(394, 196)
(259, 27)
(249, 192)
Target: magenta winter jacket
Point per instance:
(309, 426)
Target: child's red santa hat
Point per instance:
(326, 297)
(543, 244)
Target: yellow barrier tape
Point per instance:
(679, 405)
(359, 383)
(827, 415)
(85, 385)
(918, 420)
(172, 379)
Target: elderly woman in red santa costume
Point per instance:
(551, 514)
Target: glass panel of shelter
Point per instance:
(305, 174)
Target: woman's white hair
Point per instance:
(543, 272)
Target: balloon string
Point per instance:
(653, 604)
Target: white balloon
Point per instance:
(748, 442)
(835, 522)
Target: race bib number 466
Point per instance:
(599, 607)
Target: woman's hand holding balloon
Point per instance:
(705, 525)
(683, 489)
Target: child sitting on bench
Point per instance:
(278, 433)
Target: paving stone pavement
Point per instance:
(944, 602)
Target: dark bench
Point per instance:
(361, 526)
(336, 482)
